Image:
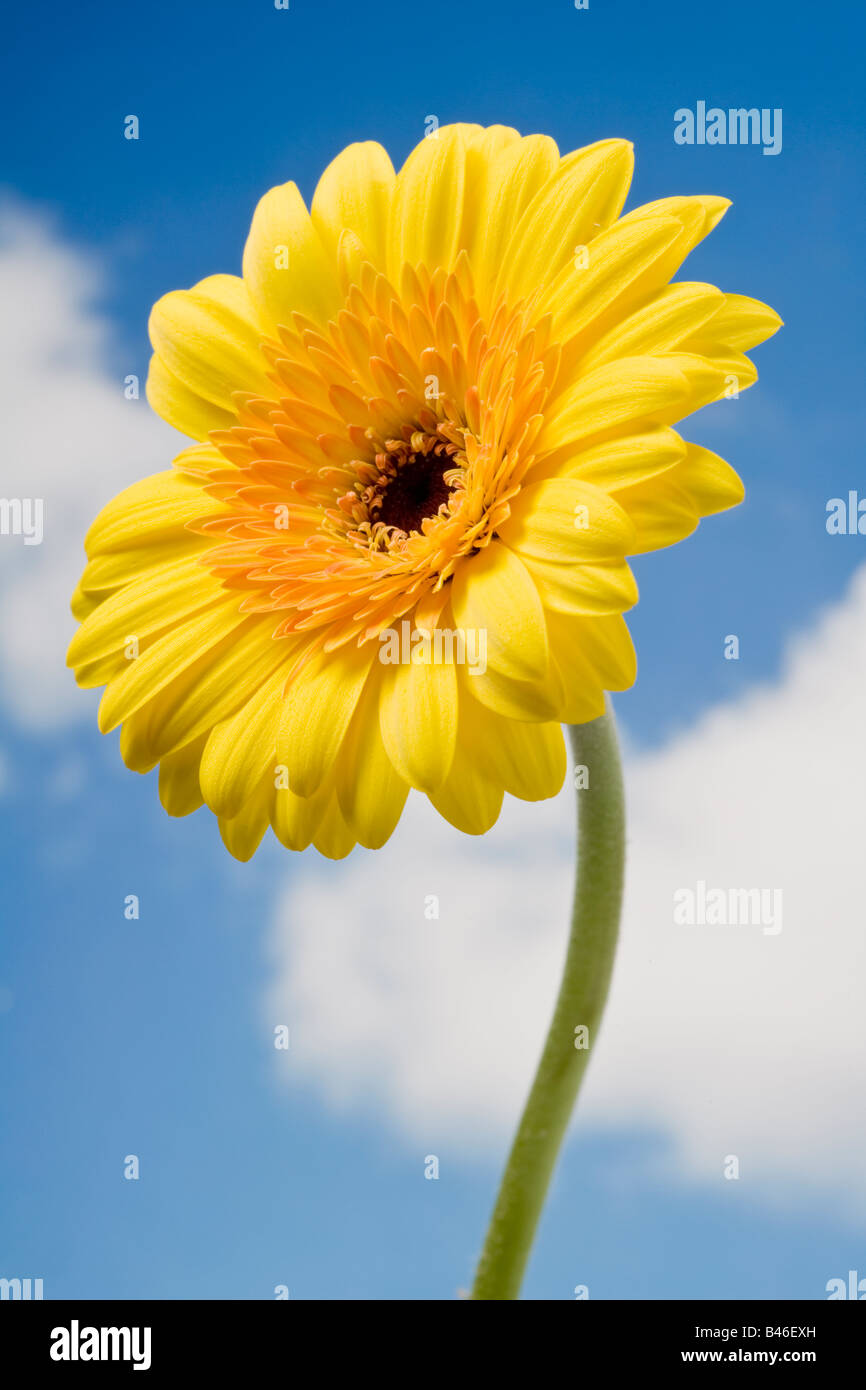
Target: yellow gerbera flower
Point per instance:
(437, 405)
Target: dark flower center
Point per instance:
(417, 490)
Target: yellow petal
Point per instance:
(568, 521)
(467, 799)
(671, 316)
(737, 372)
(82, 604)
(295, 819)
(584, 589)
(583, 197)
(370, 793)
(698, 214)
(536, 701)
(208, 692)
(354, 194)
(662, 513)
(135, 750)
(706, 378)
(483, 188)
(596, 288)
(619, 462)
(319, 705)
(181, 407)
(494, 595)
(333, 837)
(243, 834)
(107, 668)
(591, 655)
(151, 511)
(527, 760)
(742, 323)
(427, 207)
(107, 573)
(166, 659)
(165, 595)
(517, 174)
(697, 217)
(179, 789)
(242, 750)
(530, 759)
(710, 482)
(418, 720)
(663, 389)
(612, 396)
(286, 268)
(209, 339)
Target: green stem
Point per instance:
(582, 995)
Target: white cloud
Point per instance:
(725, 1040)
(69, 438)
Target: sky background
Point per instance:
(408, 1037)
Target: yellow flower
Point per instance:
(435, 418)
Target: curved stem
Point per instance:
(581, 1000)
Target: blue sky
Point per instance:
(150, 1037)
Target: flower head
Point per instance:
(434, 417)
